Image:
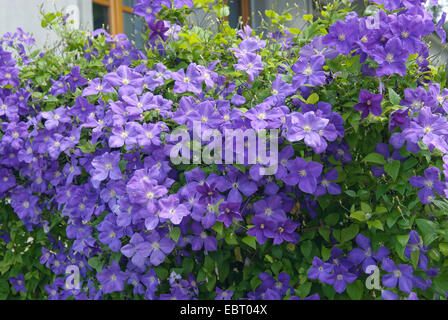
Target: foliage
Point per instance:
(86, 178)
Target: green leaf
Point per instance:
(217, 206)
(96, 264)
(441, 281)
(325, 233)
(410, 163)
(219, 228)
(394, 97)
(349, 233)
(444, 248)
(201, 275)
(304, 290)
(415, 255)
(393, 169)
(434, 254)
(365, 208)
(221, 11)
(240, 167)
(306, 248)
(271, 14)
(175, 234)
(331, 219)
(380, 210)
(308, 17)
(351, 193)
(4, 289)
(87, 147)
(326, 253)
(250, 241)
(403, 239)
(428, 229)
(355, 290)
(231, 239)
(277, 252)
(209, 264)
(313, 99)
(255, 282)
(187, 265)
(358, 215)
(276, 267)
(211, 281)
(375, 224)
(375, 158)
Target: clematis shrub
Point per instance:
(93, 206)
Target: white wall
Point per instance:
(26, 14)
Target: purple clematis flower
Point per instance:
(160, 248)
(307, 127)
(158, 29)
(343, 36)
(304, 174)
(369, 103)
(110, 233)
(172, 209)
(430, 182)
(415, 243)
(106, 166)
(180, 3)
(440, 30)
(401, 275)
(325, 184)
(55, 117)
(365, 255)
(262, 227)
(251, 63)
(398, 118)
(18, 282)
(320, 270)
(391, 58)
(340, 277)
(112, 279)
(201, 239)
(408, 31)
(187, 81)
(229, 211)
(284, 230)
(428, 127)
(223, 294)
(96, 86)
(137, 249)
(309, 72)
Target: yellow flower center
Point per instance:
(308, 71)
(389, 57)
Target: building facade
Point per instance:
(117, 17)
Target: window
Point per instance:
(116, 15)
(238, 8)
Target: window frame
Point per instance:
(245, 12)
(244, 7)
(115, 9)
